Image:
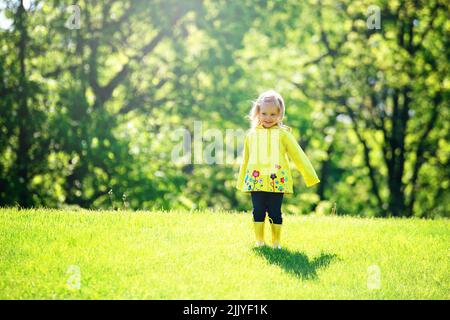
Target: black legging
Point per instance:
(267, 201)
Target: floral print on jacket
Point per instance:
(265, 164)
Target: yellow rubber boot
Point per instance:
(276, 235)
(259, 233)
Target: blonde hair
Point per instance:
(269, 97)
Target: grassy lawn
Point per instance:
(50, 254)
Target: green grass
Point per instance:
(210, 255)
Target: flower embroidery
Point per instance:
(254, 180)
(251, 181)
(255, 175)
(278, 179)
(273, 176)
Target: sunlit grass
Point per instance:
(210, 255)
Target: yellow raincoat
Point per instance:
(265, 161)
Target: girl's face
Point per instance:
(269, 115)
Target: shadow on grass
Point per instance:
(296, 263)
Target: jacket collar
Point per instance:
(275, 126)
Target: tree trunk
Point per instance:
(23, 116)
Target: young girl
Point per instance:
(264, 171)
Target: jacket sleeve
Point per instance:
(240, 181)
(301, 161)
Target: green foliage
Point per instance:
(89, 110)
